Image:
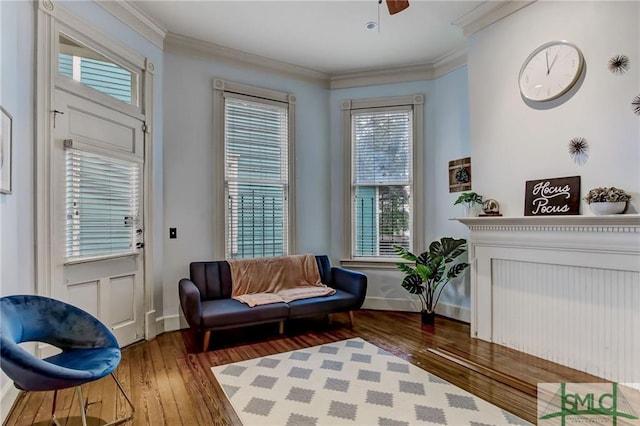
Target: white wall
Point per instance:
(190, 164)
(446, 138)
(16, 209)
(513, 143)
(16, 96)
(449, 140)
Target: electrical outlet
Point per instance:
(173, 233)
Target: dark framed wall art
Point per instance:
(6, 135)
(460, 175)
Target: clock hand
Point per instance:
(546, 54)
(554, 60)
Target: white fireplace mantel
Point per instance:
(564, 288)
(629, 222)
(589, 233)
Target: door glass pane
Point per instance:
(89, 67)
(101, 205)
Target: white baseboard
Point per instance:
(172, 323)
(150, 324)
(168, 323)
(453, 311)
(176, 322)
(385, 304)
(8, 396)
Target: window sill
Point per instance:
(376, 263)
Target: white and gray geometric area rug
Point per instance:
(350, 382)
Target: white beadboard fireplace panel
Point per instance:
(565, 289)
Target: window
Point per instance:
(92, 69)
(384, 181)
(257, 171)
(101, 205)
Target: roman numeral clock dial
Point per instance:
(550, 71)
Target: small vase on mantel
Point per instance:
(471, 202)
(607, 207)
(470, 210)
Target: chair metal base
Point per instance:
(84, 405)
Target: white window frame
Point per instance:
(111, 50)
(416, 101)
(256, 93)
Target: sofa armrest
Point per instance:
(190, 302)
(350, 281)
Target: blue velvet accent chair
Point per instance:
(89, 350)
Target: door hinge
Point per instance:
(144, 127)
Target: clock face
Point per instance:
(550, 71)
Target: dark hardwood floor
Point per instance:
(171, 383)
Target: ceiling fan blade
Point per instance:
(396, 6)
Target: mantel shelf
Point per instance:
(579, 221)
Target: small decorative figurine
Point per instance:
(491, 208)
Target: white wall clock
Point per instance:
(550, 71)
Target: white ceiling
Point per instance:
(327, 36)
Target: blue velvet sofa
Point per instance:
(207, 305)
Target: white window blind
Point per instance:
(382, 181)
(256, 177)
(102, 208)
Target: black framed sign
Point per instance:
(554, 196)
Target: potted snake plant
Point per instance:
(428, 273)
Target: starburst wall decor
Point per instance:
(579, 150)
(619, 64)
(635, 105)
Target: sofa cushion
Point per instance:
(213, 279)
(223, 313)
(340, 301)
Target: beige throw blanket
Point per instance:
(276, 279)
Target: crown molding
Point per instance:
(382, 76)
(137, 20)
(487, 13)
(175, 43)
(449, 62)
(402, 74)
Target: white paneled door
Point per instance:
(96, 202)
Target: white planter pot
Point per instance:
(608, 207)
(470, 211)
